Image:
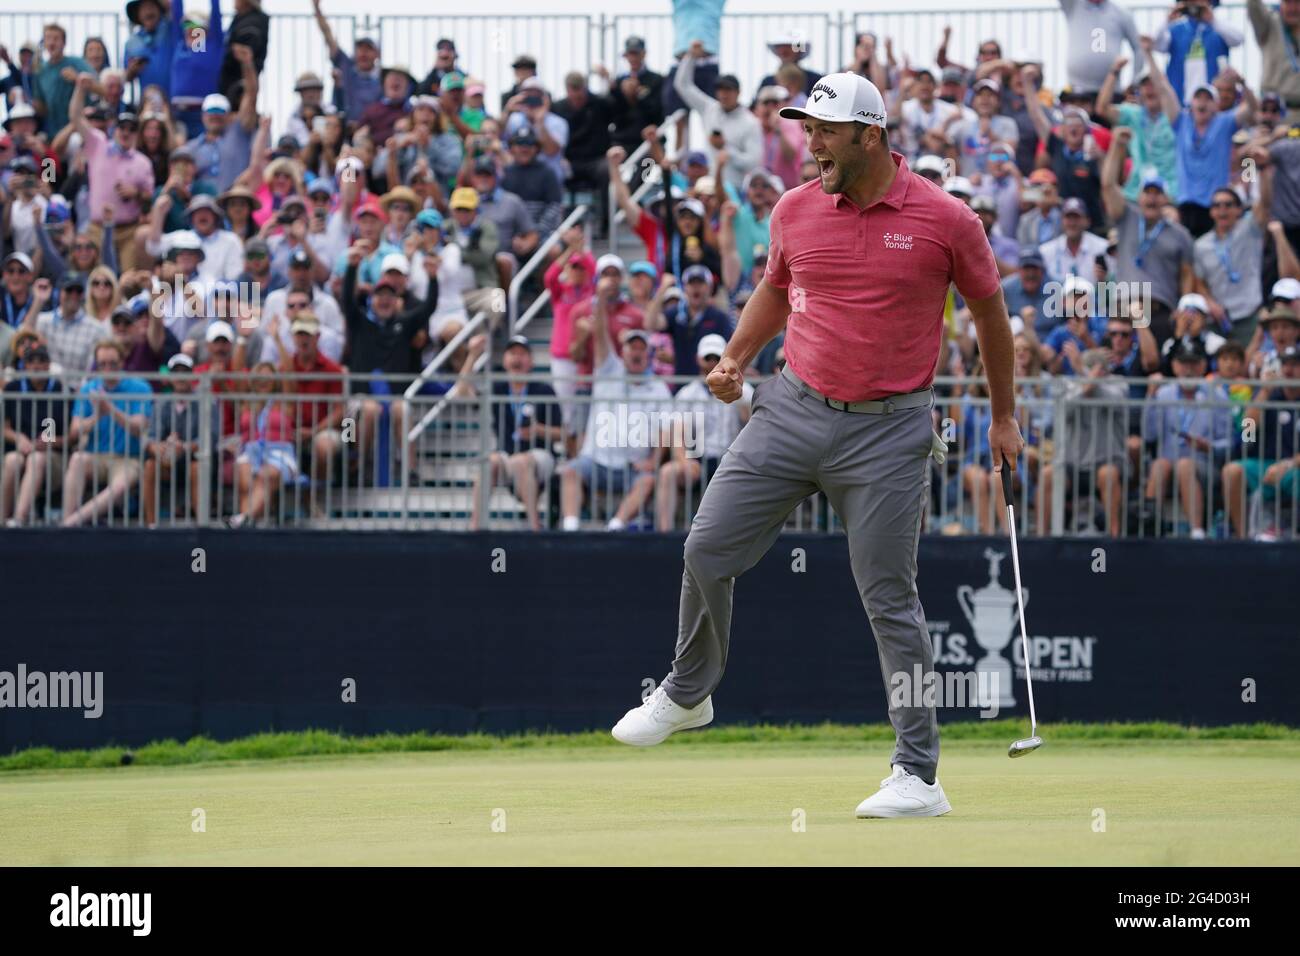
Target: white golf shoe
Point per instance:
(658, 718)
(904, 794)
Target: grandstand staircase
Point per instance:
(447, 459)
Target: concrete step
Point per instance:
(422, 503)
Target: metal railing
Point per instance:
(487, 43)
(536, 261)
(203, 449)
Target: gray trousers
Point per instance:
(875, 471)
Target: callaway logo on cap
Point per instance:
(841, 98)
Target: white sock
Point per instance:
(616, 524)
(570, 523)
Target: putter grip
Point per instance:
(1007, 496)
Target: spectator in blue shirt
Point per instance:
(196, 64)
(1025, 290)
(149, 50)
(225, 147)
(1203, 137)
(359, 74)
(114, 413)
(1195, 43)
(21, 74)
(693, 317)
(1191, 434)
(1080, 331)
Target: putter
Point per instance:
(1031, 743)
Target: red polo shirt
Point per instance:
(867, 286)
(309, 413)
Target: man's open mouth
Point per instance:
(827, 166)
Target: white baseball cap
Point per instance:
(841, 98)
(930, 163)
(1076, 284)
(1286, 289)
(609, 260)
(220, 330)
(395, 262)
(959, 184)
(1194, 301)
(216, 103)
(184, 240)
(711, 344)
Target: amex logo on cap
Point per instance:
(841, 98)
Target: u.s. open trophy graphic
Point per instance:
(993, 617)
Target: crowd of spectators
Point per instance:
(1145, 219)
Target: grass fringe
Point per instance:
(319, 743)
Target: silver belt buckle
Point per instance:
(889, 406)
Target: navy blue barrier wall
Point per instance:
(564, 636)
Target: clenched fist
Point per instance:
(726, 381)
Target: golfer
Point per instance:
(857, 273)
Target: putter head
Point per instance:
(1021, 747)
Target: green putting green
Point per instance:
(1154, 802)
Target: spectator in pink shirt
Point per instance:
(783, 144)
(120, 177)
(620, 311)
(570, 279)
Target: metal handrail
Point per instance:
(434, 412)
(447, 351)
(531, 266)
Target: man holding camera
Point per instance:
(1196, 44)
